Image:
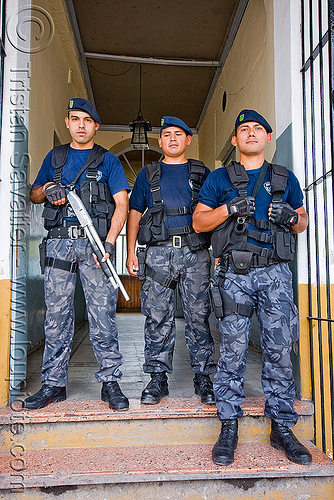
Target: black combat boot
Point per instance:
(112, 394)
(223, 450)
(47, 394)
(204, 389)
(282, 438)
(156, 389)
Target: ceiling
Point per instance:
(180, 46)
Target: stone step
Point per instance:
(84, 424)
(153, 472)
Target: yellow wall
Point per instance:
(319, 342)
(50, 87)
(247, 78)
(4, 340)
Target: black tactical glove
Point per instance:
(282, 213)
(54, 192)
(110, 249)
(241, 206)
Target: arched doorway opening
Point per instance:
(132, 161)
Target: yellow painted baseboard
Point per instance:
(5, 294)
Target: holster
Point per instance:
(216, 300)
(141, 255)
(42, 254)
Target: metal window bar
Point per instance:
(315, 98)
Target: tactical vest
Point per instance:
(232, 235)
(95, 195)
(153, 226)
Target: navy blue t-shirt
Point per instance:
(109, 171)
(175, 191)
(218, 191)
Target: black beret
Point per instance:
(79, 104)
(172, 121)
(249, 115)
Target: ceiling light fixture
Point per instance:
(140, 127)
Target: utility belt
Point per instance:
(243, 261)
(176, 242)
(153, 230)
(69, 229)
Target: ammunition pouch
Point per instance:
(153, 225)
(141, 255)
(285, 244)
(99, 203)
(53, 215)
(241, 261)
(197, 241)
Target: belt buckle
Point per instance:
(177, 242)
(73, 232)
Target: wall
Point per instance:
(14, 162)
(248, 80)
(55, 78)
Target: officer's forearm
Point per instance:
(206, 219)
(37, 194)
(302, 221)
(119, 217)
(132, 229)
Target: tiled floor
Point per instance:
(83, 385)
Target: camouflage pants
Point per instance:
(191, 270)
(269, 290)
(101, 299)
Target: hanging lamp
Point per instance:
(139, 127)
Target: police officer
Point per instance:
(100, 181)
(166, 193)
(254, 210)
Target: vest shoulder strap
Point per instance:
(153, 175)
(278, 180)
(238, 177)
(95, 158)
(196, 175)
(59, 157)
